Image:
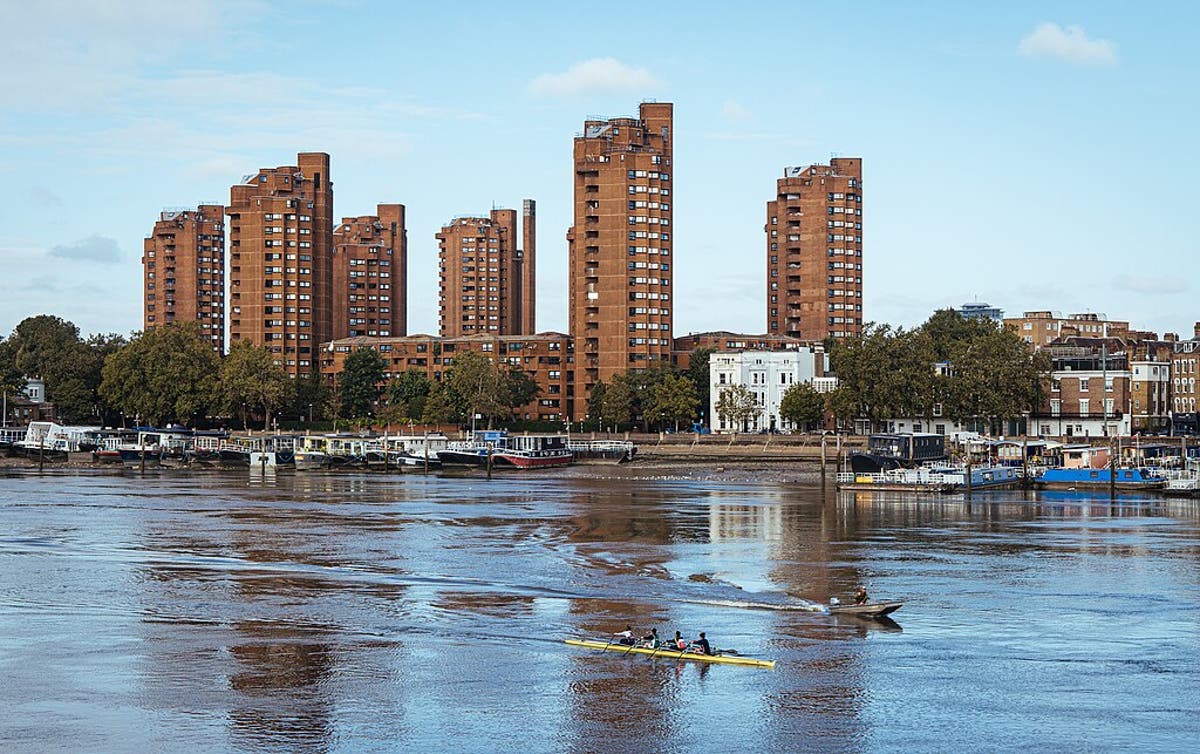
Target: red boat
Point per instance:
(534, 452)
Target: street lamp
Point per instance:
(310, 413)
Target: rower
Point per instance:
(703, 645)
(679, 641)
(625, 637)
(860, 595)
(651, 639)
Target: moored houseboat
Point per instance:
(1124, 479)
(936, 479)
(474, 452)
(898, 450)
(534, 452)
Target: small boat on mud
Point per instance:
(871, 610)
(670, 653)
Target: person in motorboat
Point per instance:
(860, 595)
(624, 637)
(650, 640)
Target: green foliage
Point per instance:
(439, 407)
(477, 385)
(883, 374)
(50, 348)
(673, 398)
(989, 373)
(163, 375)
(736, 406)
(612, 405)
(311, 398)
(251, 380)
(359, 383)
(697, 372)
(407, 394)
(802, 405)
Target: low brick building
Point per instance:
(546, 357)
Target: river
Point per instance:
(225, 611)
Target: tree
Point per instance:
(522, 388)
(736, 406)
(359, 383)
(407, 394)
(49, 347)
(616, 406)
(995, 376)
(250, 379)
(439, 407)
(698, 373)
(312, 399)
(163, 375)
(802, 405)
(478, 386)
(673, 398)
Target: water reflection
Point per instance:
(426, 613)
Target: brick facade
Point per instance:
(183, 263)
(814, 252)
(370, 252)
(620, 253)
(280, 260)
(485, 283)
(546, 357)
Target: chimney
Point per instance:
(1196, 330)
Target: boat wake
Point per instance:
(807, 607)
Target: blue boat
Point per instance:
(1100, 479)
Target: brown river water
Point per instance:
(224, 611)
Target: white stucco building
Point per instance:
(767, 374)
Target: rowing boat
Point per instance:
(672, 654)
(873, 610)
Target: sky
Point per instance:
(1032, 155)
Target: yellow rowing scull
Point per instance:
(672, 654)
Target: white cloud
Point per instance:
(732, 111)
(92, 249)
(595, 75)
(1151, 284)
(1072, 44)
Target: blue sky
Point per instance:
(1032, 155)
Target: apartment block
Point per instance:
(546, 357)
(619, 247)
(814, 251)
(485, 283)
(280, 260)
(1040, 328)
(370, 274)
(183, 260)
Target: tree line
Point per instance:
(951, 367)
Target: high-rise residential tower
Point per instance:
(619, 247)
(184, 263)
(370, 273)
(814, 252)
(280, 260)
(485, 282)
